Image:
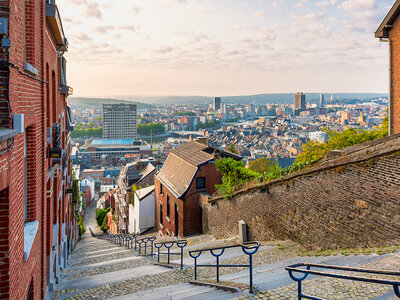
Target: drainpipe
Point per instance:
(390, 83)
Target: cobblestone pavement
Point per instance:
(109, 272)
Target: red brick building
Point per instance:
(188, 172)
(389, 31)
(36, 225)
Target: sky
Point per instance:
(224, 47)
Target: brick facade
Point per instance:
(189, 209)
(42, 179)
(394, 37)
(350, 201)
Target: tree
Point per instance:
(338, 140)
(75, 191)
(152, 128)
(261, 165)
(233, 174)
(231, 148)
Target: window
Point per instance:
(168, 206)
(200, 183)
(161, 188)
(161, 214)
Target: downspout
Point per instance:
(390, 83)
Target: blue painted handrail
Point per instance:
(299, 268)
(142, 243)
(248, 248)
(168, 245)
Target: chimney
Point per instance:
(202, 140)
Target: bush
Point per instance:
(101, 215)
(233, 174)
(104, 225)
(82, 226)
(338, 140)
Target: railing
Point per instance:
(142, 243)
(168, 245)
(298, 269)
(247, 248)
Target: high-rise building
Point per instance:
(119, 121)
(38, 227)
(321, 100)
(299, 101)
(217, 103)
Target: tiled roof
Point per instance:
(181, 166)
(182, 163)
(144, 192)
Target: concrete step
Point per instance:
(108, 278)
(181, 291)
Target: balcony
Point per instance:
(55, 25)
(66, 90)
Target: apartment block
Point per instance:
(119, 121)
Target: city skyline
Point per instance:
(222, 48)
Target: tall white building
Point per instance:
(119, 121)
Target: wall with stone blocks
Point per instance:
(351, 202)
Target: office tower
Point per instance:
(299, 101)
(119, 121)
(321, 100)
(217, 103)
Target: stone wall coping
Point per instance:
(350, 155)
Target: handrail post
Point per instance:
(181, 258)
(168, 254)
(195, 268)
(152, 248)
(251, 272)
(158, 257)
(299, 294)
(217, 268)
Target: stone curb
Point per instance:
(217, 286)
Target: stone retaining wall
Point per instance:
(352, 204)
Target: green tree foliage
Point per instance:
(233, 174)
(185, 113)
(152, 128)
(262, 165)
(231, 148)
(82, 226)
(313, 150)
(101, 215)
(210, 124)
(104, 226)
(75, 191)
(89, 132)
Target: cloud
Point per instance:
(326, 3)
(357, 5)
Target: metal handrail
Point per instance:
(296, 268)
(168, 245)
(144, 241)
(248, 248)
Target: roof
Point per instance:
(388, 22)
(146, 171)
(183, 162)
(115, 142)
(142, 193)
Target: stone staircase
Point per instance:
(180, 292)
(99, 269)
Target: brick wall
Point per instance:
(42, 105)
(351, 201)
(189, 209)
(394, 37)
